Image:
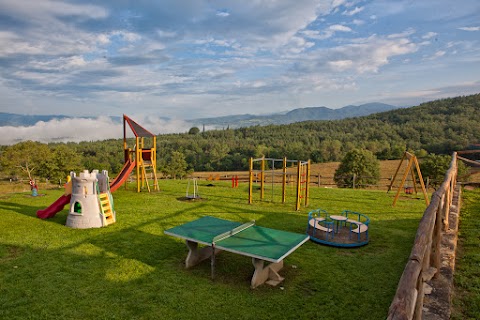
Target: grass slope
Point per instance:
(131, 270)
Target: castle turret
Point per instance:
(91, 204)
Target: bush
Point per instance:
(361, 164)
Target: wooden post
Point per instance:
(414, 181)
(438, 234)
(421, 181)
(307, 183)
(138, 160)
(396, 172)
(409, 165)
(284, 180)
(250, 182)
(297, 206)
(447, 209)
(262, 179)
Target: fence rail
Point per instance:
(425, 260)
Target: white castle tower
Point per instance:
(91, 204)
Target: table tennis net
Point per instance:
(232, 232)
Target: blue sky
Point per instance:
(205, 58)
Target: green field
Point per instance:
(131, 270)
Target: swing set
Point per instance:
(302, 179)
(412, 159)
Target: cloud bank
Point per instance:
(81, 129)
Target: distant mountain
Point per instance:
(233, 121)
(296, 115)
(18, 120)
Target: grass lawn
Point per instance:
(131, 270)
(466, 301)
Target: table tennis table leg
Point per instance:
(197, 255)
(267, 274)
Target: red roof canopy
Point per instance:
(137, 129)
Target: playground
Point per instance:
(52, 271)
(149, 263)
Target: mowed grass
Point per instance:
(466, 301)
(132, 270)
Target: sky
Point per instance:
(205, 58)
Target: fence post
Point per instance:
(447, 209)
(438, 235)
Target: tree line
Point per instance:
(437, 127)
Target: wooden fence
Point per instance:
(425, 260)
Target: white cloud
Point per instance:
(222, 14)
(436, 55)
(80, 129)
(354, 11)
(327, 33)
(341, 65)
(403, 34)
(470, 28)
(429, 35)
(365, 55)
(339, 27)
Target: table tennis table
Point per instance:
(260, 243)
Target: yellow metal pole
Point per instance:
(138, 161)
(154, 163)
(250, 183)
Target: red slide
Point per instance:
(65, 199)
(54, 207)
(122, 176)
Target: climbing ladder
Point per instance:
(106, 208)
(148, 167)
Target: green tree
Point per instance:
(436, 166)
(23, 156)
(63, 160)
(194, 130)
(177, 166)
(358, 164)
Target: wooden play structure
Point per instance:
(143, 155)
(302, 178)
(412, 159)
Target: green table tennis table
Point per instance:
(261, 244)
